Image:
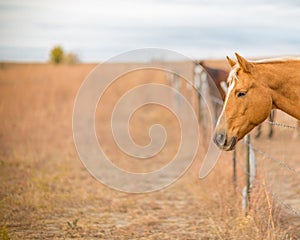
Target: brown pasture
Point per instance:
(46, 192)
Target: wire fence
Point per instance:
(246, 160)
(250, 175)
(253, 156)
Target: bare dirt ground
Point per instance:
(47, 193)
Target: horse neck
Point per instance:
(283, 80)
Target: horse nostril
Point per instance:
(220, 139)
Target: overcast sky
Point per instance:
(97, 30)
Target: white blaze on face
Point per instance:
(231, 86)
(233, 78)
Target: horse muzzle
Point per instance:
(222, 142)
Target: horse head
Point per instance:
(248, 103)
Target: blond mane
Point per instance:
(233, 73)
(232, 77)
(275, 60)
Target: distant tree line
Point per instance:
(57, 56)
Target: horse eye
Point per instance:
(241, 94)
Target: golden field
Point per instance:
(47, 193)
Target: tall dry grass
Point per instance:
(46, 193)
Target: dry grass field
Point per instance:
(47, 193)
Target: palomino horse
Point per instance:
(255, 88)
(219, 77)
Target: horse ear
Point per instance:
(230, 61)
(245, 65)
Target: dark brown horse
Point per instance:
(217, 86)
(219, 77)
